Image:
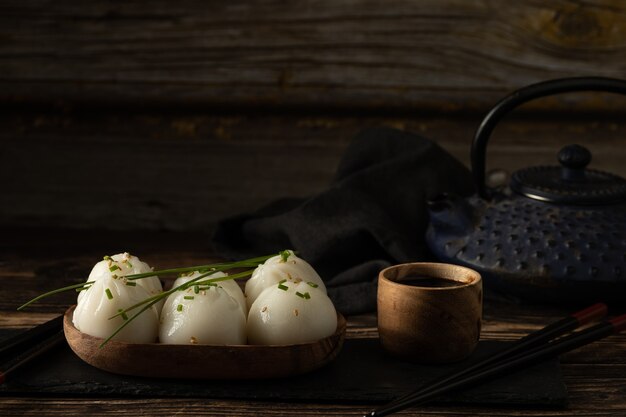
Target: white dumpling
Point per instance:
(278, 268)
(210, 316)
(122, 264)
(289, 313)
(230, 286)
(105, 298)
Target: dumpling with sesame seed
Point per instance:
(120, 265)
(106, 298)
(285, 266)
(290, 313)
(230, 286)
(202, 314)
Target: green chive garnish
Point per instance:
(307, 295)
(124, 316)
(205, 285)
(113, 268)
(204, 270)
(188, 297)
(284, 255)
(312, 284)
(248, 263)
(131, 283)
(82, 285)
(299, 294)
(86, 287)
(179, 308)
(283, 287)
(281, 281)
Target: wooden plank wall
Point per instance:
(170, 115)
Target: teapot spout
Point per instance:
(450, 214)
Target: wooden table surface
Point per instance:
(142, 115)
(32, 261)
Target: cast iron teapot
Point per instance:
(556, 233)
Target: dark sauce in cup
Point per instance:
(429, 282)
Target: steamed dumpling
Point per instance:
(105, 298)
(288, 313)
(278, 268)
(230, 286)
(210, 316)
(123, 264)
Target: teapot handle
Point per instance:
(521, 96)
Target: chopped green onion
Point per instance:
(131, 283)
(196, 289)
(280, 282)
(299, 294)
(109, 295)
(124, 316)
(284, 255)
(307, 295)
(188, 297)
(107, 258)
(312, 284)
(205, 285)
(113, 268)
(283, 287)
(179, 308)
(128, 263)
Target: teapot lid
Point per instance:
(570, 183)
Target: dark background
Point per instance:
(169, 115)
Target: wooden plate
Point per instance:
(203, 361)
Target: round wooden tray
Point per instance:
(204, 361)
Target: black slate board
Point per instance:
(361, 373)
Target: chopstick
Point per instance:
(540, 353)
(562, 326)
(516, 355)
(26, 346)
(22, 340)
(11, 365)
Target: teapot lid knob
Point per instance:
(574, 157)
(571, 183)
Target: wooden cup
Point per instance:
(429, 324)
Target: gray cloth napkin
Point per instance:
(373, 214)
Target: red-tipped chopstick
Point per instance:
(558, 328)
(508, 358)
